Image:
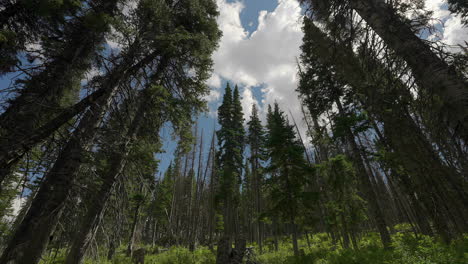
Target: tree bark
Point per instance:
(34, 233)
(43, 93)
(32, 236)
(366, 185)
(12, 152)
(13, 149)
(294, 236)
(435, 182)
(432, 73)
(118, 159)
(131, 241)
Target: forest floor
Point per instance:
(407, 249)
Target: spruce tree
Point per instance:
(46, 92)
(155, 39)
(288, 170)
(459, 7)
(230, 162)
(435, 77)
(256, 141)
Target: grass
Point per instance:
(406, 249)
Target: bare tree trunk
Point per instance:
(415, 154)
(294, 236)
(13, 149)
(344, 231)
(431, 72)
(224, 251)
(12, 152)
(93, 217)
(366, 184)
(131, 241)
(34, 233)
(43, 94)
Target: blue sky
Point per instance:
(249, 16)
(207, 122)
(258, 51)
(244, 49)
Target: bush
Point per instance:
(407, 249)
(179, 255)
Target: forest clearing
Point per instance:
(233, 131)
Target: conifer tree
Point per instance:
(459, 7)
(230, 162)
(256, 141)
(433, 74)
(288, 171)
(31, 22)
(378, 98)
(44, 93)
(195, 43)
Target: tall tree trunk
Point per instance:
(415, 154)
(431, 72)
(294, 236)
(118, 159)
(224, 251)
(44, 93)
(34, 233)
(344, 231)
(13, 149)
(11, 153)
(366, 185)
(131, 240)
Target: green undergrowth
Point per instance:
(406, 248)
(174, 255)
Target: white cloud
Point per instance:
(129, 6)
(213, 95)
(35, 50)
(214, 81)
(15, 207)
(128, 9)
(265, 58)
(247, 101)
(453, 32)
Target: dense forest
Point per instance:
(379, 176)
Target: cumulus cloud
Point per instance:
(128, 9)
(453, 32)
(15, 207)
(265, 58)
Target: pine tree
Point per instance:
(45, 93)
(459, 7)
(434, 76)
(256, 141)
(195, 45)
(230, 162)
(388, 95)
(289, 172)
(31, 22)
